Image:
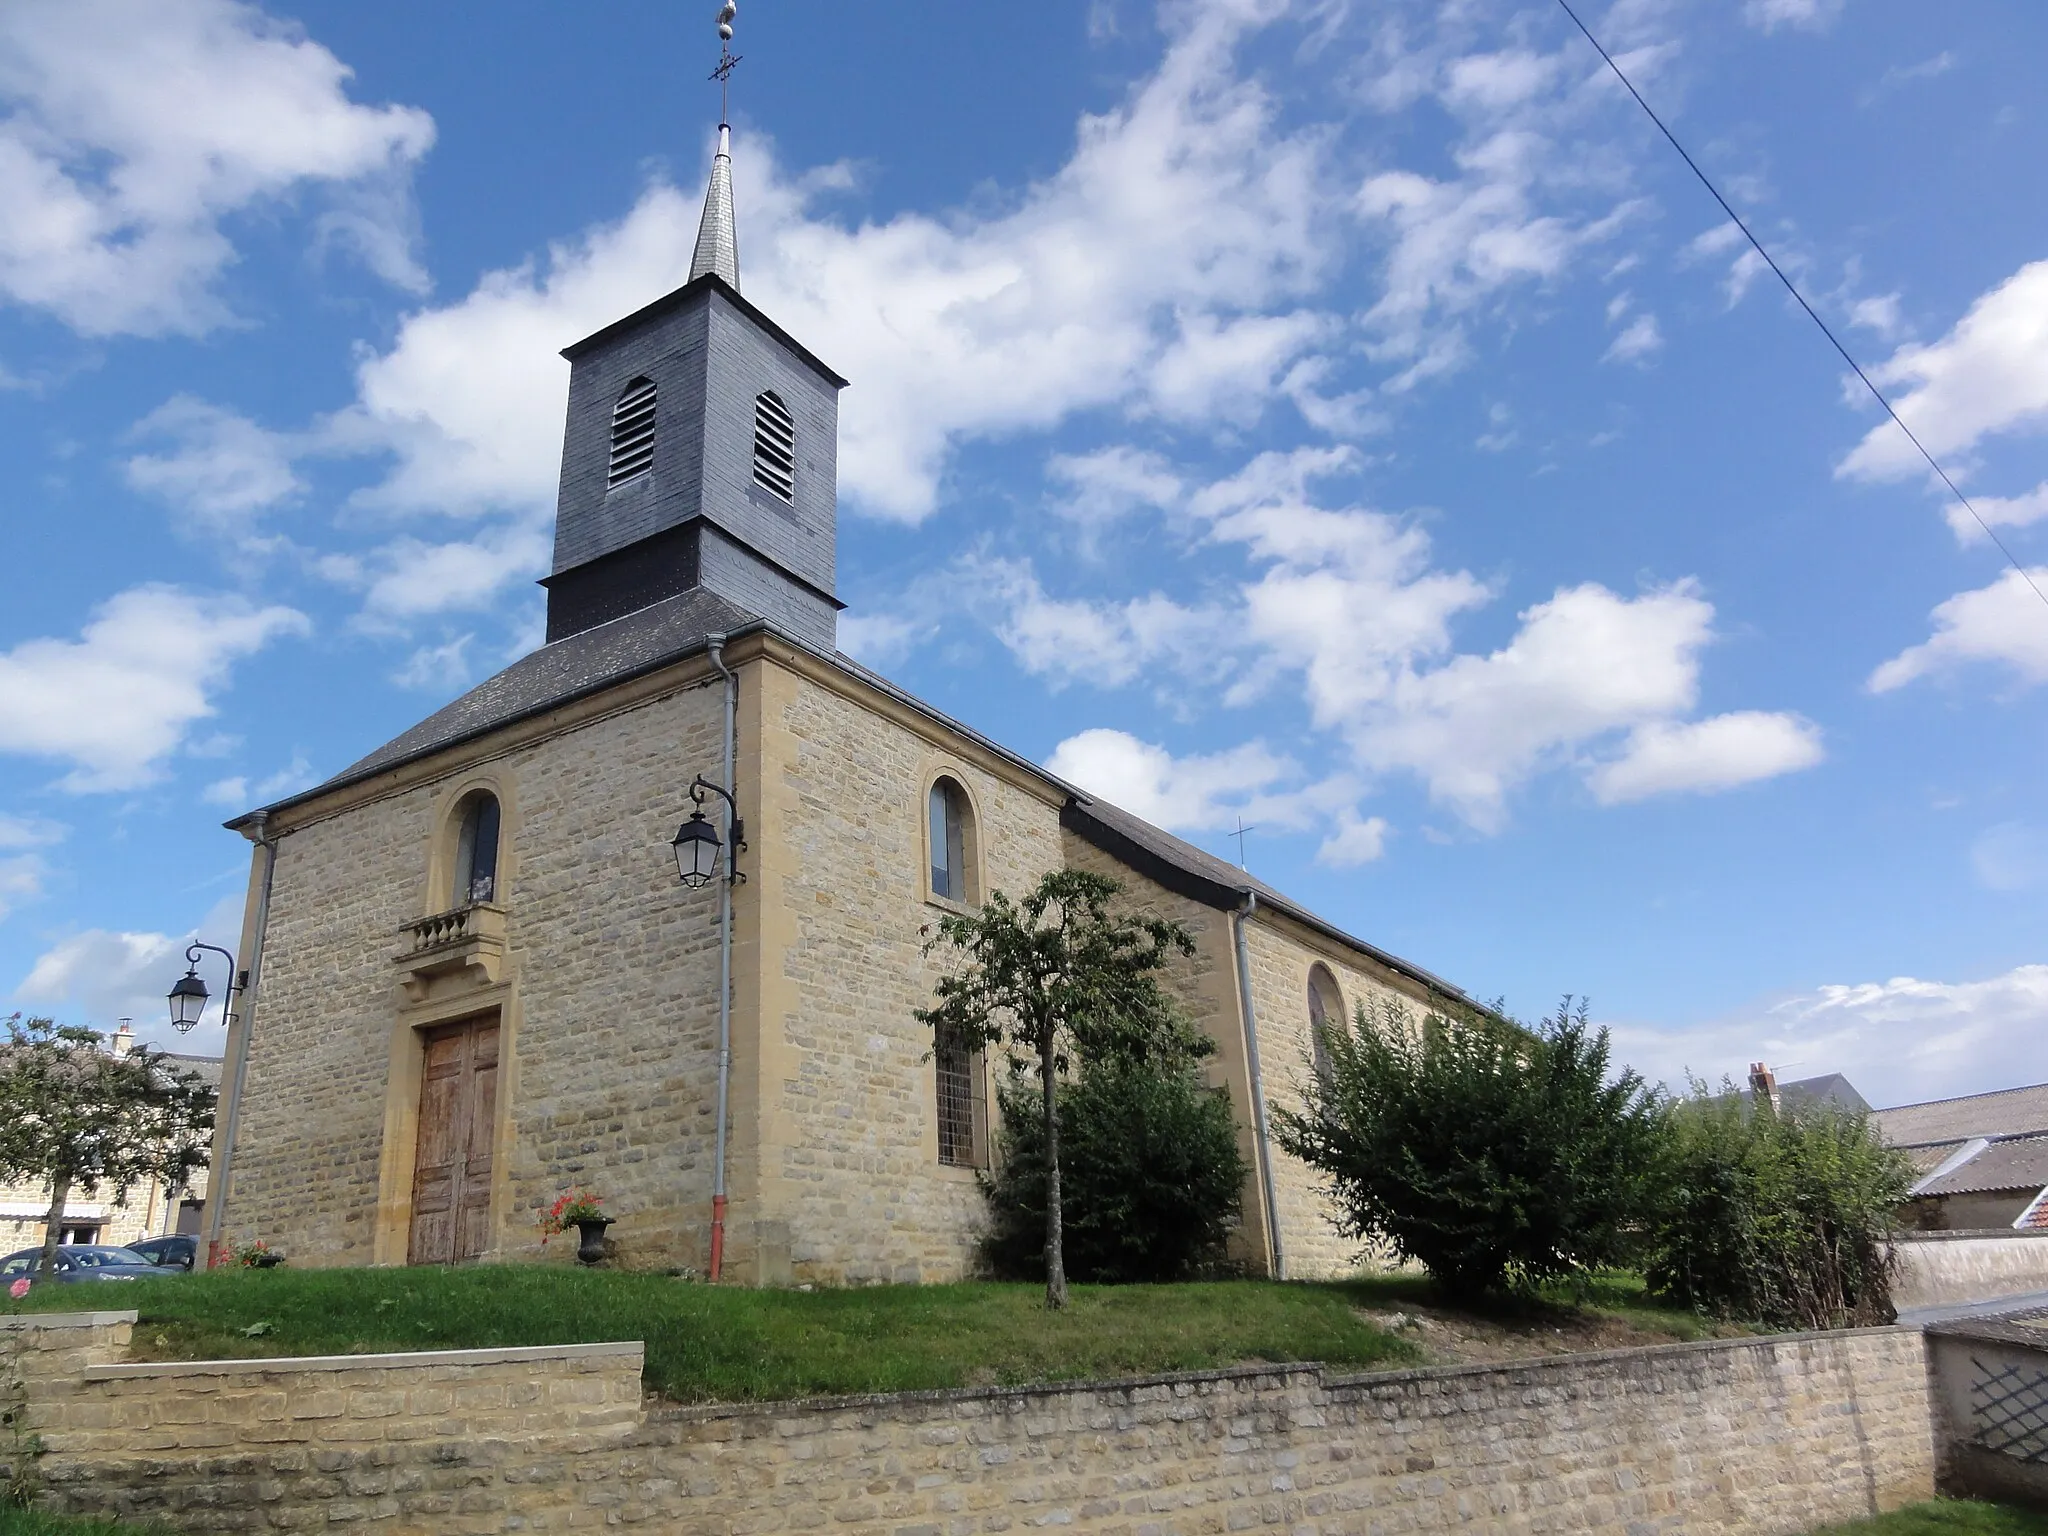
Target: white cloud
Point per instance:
(2005, 622)
(29, 832)
(411, 578)
(238, 794)
(1635, 343)
(1879, 313)
(877, 639)
(1806, 15)
(1349, 601)
(101, 975)
(2011, 856)
(439, 668)
(135, 128)
(1110, 483)
(1354, 841)
(1702, 756)
(1181, 794)
(1988, 375)
(21, 880)
(1143, 270)
(1997, 511)
(1900, 1041)
(123, 696)
(223, 470)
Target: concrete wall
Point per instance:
(1991, 1409)
(1758, 1436)
(1936, 1268)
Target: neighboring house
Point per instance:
(150, 1210)
(479, 982)
(1833, 1091)
(1983, 1159)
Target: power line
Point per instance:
(1793, 289)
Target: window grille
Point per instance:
(774, 447)
(632, 433)
(960, 1103)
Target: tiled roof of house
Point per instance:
(2008, 1112)
(2035, 1217)
(1930, 1157)
(2018, 1164)
(582, 664)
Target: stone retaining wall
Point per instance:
(1767, 1435)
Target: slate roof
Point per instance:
(208, 1068)
(582, 664)
(556, 674)
(2008, 1112)
(1833, 1090)
(2017, 1164)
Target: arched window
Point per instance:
(1325, 1008)
(632, 433)
(476, 851)
(774, 446)
(950, 839)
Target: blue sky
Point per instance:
(1348, 417)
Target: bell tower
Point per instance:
(701, 452)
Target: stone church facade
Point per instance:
(479, 983)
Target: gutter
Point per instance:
(250, 978)
(1238, 918)
(715, 644)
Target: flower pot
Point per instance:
(591, 1249)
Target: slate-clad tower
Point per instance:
(701, 452)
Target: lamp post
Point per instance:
(188, 996)
(697, 844)
(696, 848)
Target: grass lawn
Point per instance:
(717, 1343)
(1615, 1297)
(1946, 1517)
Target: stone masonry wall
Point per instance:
(848, 1156)
(606, 999)
(1755, 1436)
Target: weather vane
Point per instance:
(728, 61)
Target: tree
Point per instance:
(1054, 974)
(1783, 1217)
(80, 1117)
(1151, 1174)
(1489, 1153)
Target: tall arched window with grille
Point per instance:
(632, 434)
(476, 851)
(950, 842)
(774, 446)
(1325, 1009)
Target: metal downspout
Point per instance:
(250, 978)
(716, 645)
(1251, 1052)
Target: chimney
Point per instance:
(122, 1040)
(1763, 1086)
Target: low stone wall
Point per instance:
(1937, 1268)
(1755, 1436)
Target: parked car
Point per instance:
(168, 1252)
(80, 1262)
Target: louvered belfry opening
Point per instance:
(632, 433)
(774, 446)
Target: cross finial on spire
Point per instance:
(718, 248)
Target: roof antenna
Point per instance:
(728, 61)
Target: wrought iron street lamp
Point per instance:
(188, 997)
(697, 843)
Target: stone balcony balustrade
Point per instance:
(466, 943)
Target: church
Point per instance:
(642, 914)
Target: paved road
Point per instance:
(1919, 1317)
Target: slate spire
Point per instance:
(718, 246)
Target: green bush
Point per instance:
(1491, 1154)
(1783, 1218)
(1150, 1174)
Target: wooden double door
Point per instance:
(451, 1182)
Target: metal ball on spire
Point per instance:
(726, 13)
